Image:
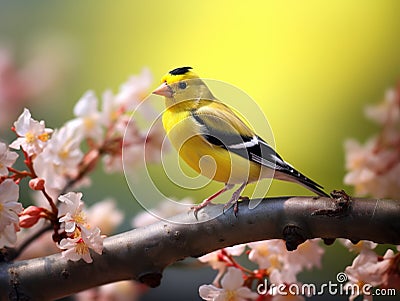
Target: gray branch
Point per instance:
(142, 254)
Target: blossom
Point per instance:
(218, 261)
(365, 270)
(60, 158)
(88, 117)
(214, 258)
(164, 209)
(9, 210)
(132, 146)
(33, 135)
(373, 168)
(231, 288)
(24, 82)
(70, 211)
(268, 254)
(105, 215)
(134, 89)
(78, 247)
(8, 236)
(30, 216)
(7, 159)
(368, 169)
(9, 206)
(41, 246)
(117, 291)
(128, 97)
(307, 255)
(389, 109)
(283, 276)
(391, 275)
(287, 279)
(361, 246)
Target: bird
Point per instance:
(214, 141)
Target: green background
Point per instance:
(312, 66)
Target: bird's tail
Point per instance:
(292, 175)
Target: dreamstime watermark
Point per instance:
(332, 288)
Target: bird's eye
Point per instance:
(182, 85)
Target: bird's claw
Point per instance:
(197, 208)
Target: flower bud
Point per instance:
(36, 184)
(30, 216)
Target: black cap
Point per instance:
(180, 70)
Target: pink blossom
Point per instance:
(365, 272)
(61, 157)
(231, 288)
(7, 159)
(9, 205)
(105, 215)
(373, 168)
(117, 291)
(30, 216)
(268, 254)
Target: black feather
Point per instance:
(260, 152)
(180, 70)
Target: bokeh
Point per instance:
(312, 66)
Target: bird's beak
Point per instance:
(164, 90)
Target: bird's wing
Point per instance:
(221, 127)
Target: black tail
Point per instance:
(292, 175)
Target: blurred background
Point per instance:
(312, 66)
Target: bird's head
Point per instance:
(182, 84)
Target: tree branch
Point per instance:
(143, 253)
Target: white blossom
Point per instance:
(70, 211)
(60, 158)
(307, 255)
(218, 261)
(130, 94)
(164, 209)
(231, 288)
(88, 117)
(134, 90)
(33, 135)
(8, 237)
(9, 205)
(7, 159)
(9, 210)
(79, 247)
(365, 270)
(213, 258)
(105, 215)
(268, 254)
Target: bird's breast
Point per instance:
(214, 162)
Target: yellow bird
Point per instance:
(215, 142)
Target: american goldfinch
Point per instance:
(215, 142)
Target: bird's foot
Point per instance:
(209, 199)
(236, 206)
(235, 199)
(200, 206)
